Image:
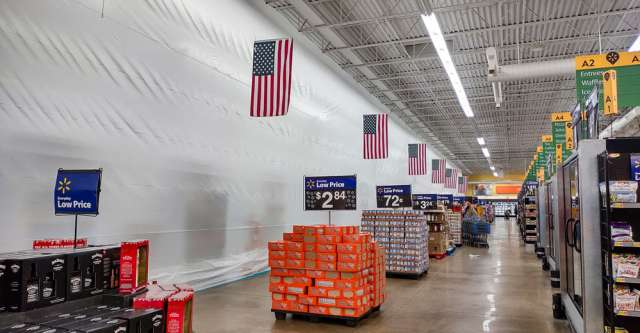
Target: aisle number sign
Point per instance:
(393, 196)
(562, 137)
(610, 91)
(330, 193)
(590, 73)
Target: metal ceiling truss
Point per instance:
(385, 47)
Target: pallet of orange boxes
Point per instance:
(326, 272)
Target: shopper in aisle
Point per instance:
(507, 214)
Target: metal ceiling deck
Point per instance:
(385, 46)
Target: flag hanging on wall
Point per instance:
(437, 171)
(462, 184)
(450, 178)
(375, 136)
(417, 159)
(271, 79)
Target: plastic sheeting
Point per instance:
(156, 93)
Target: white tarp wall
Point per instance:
(156, 93)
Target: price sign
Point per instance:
(393, 196)
(424, 201)
(458, 201)
(330, 193)
(77, 192)
(445, 199)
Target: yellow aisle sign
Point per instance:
(539, 150)
(610, 92)
(559, 154)
(611, 59)
(560, 116)
(569, 137)
(547, 138)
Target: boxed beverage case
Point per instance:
(143, 320)
(100, 326)
(134, 265)
(179, 312)
(85, 273)
(34, 280)
(111, 267)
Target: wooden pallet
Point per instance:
(406, 275)
(314, 317)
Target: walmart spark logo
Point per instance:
(311, 184)
(63, 185)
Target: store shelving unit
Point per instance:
(529, 214)
(614, 165)
(438, 232)
(455, 227)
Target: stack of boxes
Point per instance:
(175, 300)
(438, 233)
(326, 270)
(455, 226)
(404, 236)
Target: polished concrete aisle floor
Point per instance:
(500, 289)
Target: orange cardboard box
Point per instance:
(310, 264)
(310, 238)
(277, 246)
(277, 255)
(278, 263)
(294, 263)
(349, 247)
(326, 248)
(299, 280)
(294, 246)
(350, 266)
(349, 303)
(279, 272)
(353, 238)
(296, 289)
(317, 309)
(298, 229)
(284, 297)
(296, 272)
(351, 275)
(292, 237)
(326, 266)
(275, 279)
(308, 300)
(355, 312)
(330, 257)
(310, 247)
(325, 301)
(289, 306)
(315, 273)
(311, 255)
(295, 255)
(350, 283)
(278, 288)
(352, 257)
(352, 293)
(312, 230)
(332, 230)
(324, 292)
(326, 283)
(328, 239)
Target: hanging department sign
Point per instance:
(562, 137)
(393, 196)
(77, 192)
(330, 193)
(625, 68)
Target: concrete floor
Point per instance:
(500, 289)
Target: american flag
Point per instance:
(437, 171)
(450, 178)
(375, 139)
(462, 184)
(271, 80)
(417, 159)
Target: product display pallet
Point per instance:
(312, 317)
(406, 275)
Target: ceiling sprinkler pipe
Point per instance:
(532, 70)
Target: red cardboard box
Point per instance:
(134, 265)
(180, 313)
(277, 246)
(326, 248)
(349, 248)
(292, 237)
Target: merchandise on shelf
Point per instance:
(327, 270)
(404, 236)
(455, 227)
(134, 265)
(621, 232)
(625, 298)
(66, 243)
(621, 191)
(625, 265)
(438, 232)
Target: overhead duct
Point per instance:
(534, 70)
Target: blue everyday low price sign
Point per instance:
(424, 201)
(393, 196)
(445, 199)
(330, 193)
(77, 192)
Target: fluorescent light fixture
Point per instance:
(437, 39)
(481, 141)
(492, 168)
(485, 152)
(495, 174)
(635, 46)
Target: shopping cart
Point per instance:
(475, 231)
